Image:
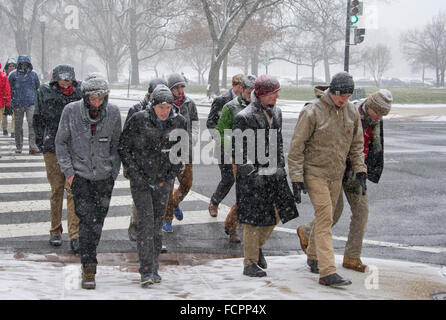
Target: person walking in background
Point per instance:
(371, 111)
(10, 66)
(328, 131)
(87, 150)
(24, 83)
(145, 152)
(226, 173)
(187, 108)
(262, 191)
(140, 106)
(226, 122)
(5, 100)
(51, 101)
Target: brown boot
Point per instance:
(88, 276)
(302, 238)
(354, 264)
(213, 210)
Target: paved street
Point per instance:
(406, 209)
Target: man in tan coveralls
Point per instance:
(371, 111)
(328, 130)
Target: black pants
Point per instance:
(91, 203)
(225, 185)
(150, 209)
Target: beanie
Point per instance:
(95, 84)
(155, 82)
(248, 82)
(162, 95)
(175, 80)
(342, 83)
(266, 84)
(380, 102)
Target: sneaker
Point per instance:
(312, 263)
(262, 261)
(56, 241)
(178, 213)
(18, 150)
(163, 249)
(334, 280)
(167, 227)
(5, 132)
(12, 135)
(213, 210)
(254, 271)
(147, 280)
(74, 244)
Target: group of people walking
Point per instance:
(336, 146)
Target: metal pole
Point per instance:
(42, 28)
(347, 39)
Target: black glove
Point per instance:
(361, 177)
(297, 188)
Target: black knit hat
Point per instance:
(155, 82)
(342, 83)
(161, 95)
(175, 80)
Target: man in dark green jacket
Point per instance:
(226, 122)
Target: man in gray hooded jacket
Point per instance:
(87, 151)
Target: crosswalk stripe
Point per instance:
(20, 157)
(23, 165)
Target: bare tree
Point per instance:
(226, 19)
(378, 60)
(325, 20)
(22, 21)
(427, 46)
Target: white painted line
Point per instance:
(45, 187)
(23, 165)
(377, 243)
(22, 157)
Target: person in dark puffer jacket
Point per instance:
(145, 150)
(51, 101)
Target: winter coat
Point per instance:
(49, 106)
(5, 90)
(188, 110)
(140, 106)
(226, 121)
(24, 84)
(93, 157)
(216, 108)
(259, 195)
(375, 157)
(144, 148)
(323, 138)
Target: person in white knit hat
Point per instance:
(372, 111)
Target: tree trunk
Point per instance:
(214, 77)
(224, 78)
(255, 62)
(133, 47)
(297, 75)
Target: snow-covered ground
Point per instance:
(33, 277)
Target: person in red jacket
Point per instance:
(5, 93)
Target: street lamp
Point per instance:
(42, 30)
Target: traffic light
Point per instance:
(359, 35)
(356, 10)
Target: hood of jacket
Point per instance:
(25, 59)
(63, 72)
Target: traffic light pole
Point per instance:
(347, 39)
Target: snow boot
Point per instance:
(167, 227)
(5, 132)
(178, 213)
(132, 232)
(253, 270)
(302, 238)
(74, 244)
(156, 277)
(213, 210)
(147, 280)
(262, 261)
(88, 276)
(334, 280)
(312, 263)
(354, 264)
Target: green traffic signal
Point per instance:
(354, 19)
